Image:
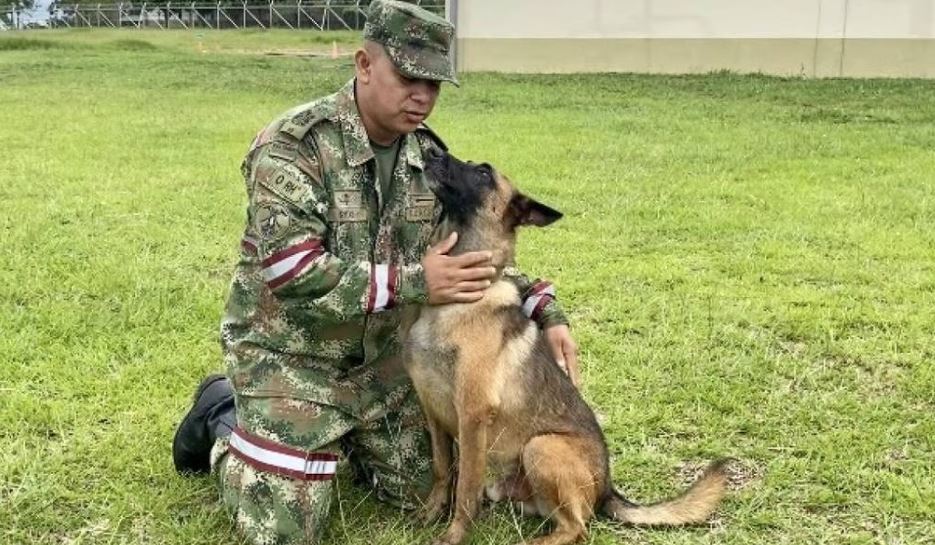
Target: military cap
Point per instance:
(417, 41)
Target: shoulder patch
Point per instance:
(306, 116)
(271, 220)
(308, 163)
(286, 183)
(427, 135)
(283, 150)
(297, 152)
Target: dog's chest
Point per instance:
(431, 362)
(447, 343)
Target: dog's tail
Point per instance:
(693, 506)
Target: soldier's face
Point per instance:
(395, 103)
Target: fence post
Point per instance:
(271, 13)
(243, 13)
(217, 16)
(298, 14)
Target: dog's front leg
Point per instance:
(441, 468)
(472, 468)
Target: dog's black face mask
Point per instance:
(461, 187)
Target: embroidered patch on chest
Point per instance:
(348, 198)
(421, 207)
(348, 206)
(420, 213)
(346, 215)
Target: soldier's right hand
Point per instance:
(456, 279)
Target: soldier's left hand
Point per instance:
(565, 351)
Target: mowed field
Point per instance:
(748, 264)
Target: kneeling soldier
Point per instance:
(337, 239)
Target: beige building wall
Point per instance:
(817, 38)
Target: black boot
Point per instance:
(212, 416)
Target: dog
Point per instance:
(486, 377)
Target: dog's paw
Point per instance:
(436, 505)
(453, 536)
(443, 540)
(430, 514)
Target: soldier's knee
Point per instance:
(273, 508)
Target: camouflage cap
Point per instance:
(418, 41)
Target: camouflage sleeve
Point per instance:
(538, 299)
(412, 289)
(288, 210)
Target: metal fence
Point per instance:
(307, 14)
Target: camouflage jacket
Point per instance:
(326, 262)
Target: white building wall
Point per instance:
(808, 37)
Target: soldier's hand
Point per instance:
(565, 351)
(456, 279)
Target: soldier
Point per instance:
(337, 240)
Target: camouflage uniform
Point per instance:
(310, 331)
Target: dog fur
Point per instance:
(486, 378)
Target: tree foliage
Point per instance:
(18, 4)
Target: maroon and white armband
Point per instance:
(537, 298)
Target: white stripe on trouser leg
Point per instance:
(381, 283)
(281, 460)
(275, 270)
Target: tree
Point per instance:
(22, 5)
(16, 13)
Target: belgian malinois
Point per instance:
(485, 376)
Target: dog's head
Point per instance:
(483, 206)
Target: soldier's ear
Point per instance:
(526, 211)
(363, 65)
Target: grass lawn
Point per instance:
(749, 264)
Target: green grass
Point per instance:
(749, 264)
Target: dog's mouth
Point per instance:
(436, 165)
(460, 186)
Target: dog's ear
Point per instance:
(526, 211)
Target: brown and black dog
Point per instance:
(486, 377)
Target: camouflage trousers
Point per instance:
(392, 454)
